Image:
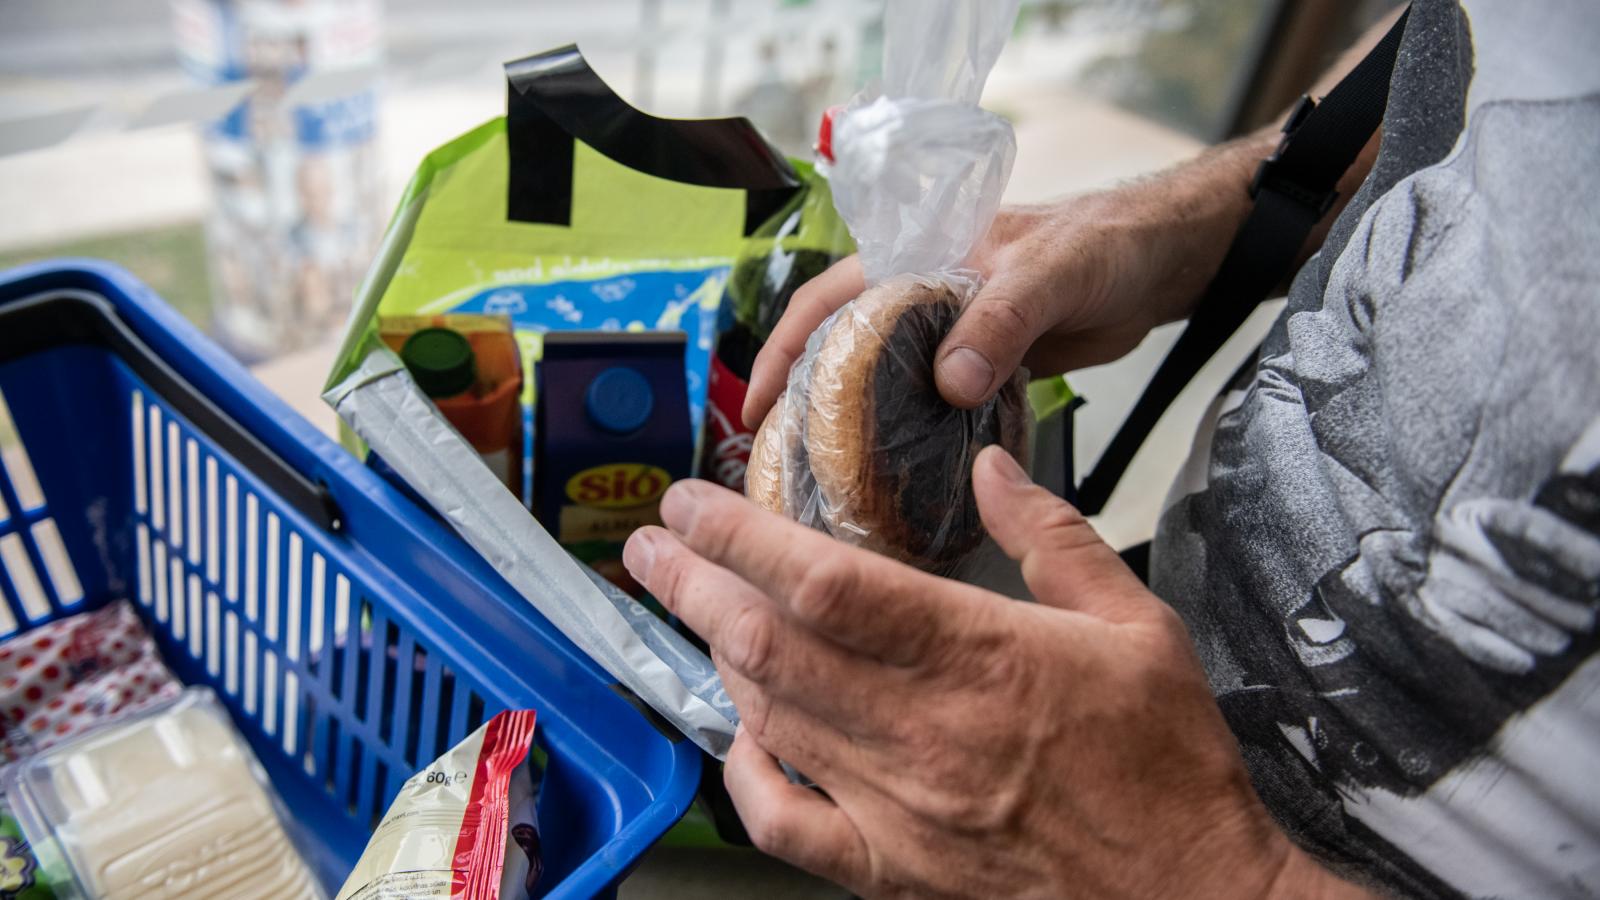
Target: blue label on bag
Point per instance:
(684, 301)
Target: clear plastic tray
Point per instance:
(166, 803)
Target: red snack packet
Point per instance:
(464, 827)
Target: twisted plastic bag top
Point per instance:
(862, 445)
(918, 171)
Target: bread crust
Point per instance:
(892, 461)
(763, 477)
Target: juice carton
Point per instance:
(613, 431)
(470, 367)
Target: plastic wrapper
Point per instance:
(670, 675)
(166, 803)
(29, 869)
(464, 827)
(65, 677)
(866, 449)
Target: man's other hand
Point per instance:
(965, 744)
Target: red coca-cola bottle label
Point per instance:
(726, 449)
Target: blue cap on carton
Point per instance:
(619, 400)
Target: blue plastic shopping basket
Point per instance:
(352, 637)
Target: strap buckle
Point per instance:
(1269, 176)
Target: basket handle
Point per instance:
(51, 320)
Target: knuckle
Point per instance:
(1004, 318)
(713, 530)
(950, 794)
(750, 642)
(669, 575)
(1000, 671)
(823, 592)
(1062, 529)
(756, 717)
(771, 830)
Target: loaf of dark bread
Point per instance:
(892, 461)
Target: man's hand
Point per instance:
(1068, 284)
(965, 744)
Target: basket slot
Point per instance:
(213, 527)
(158, 471)
(291, 711)
(37, 577)
(230, 653)
(427, 747)
(414, 689)
(443, 716)
(293, 599)
(350, 776)
(369, 790)
(213, 635)
(175, 586)
(338, 678)
(250, 656)
(316, 622)
(330, 756)
(25, 492)
(174, 487)
(146, 595)
(398, 697)
(458, 713)
(380, 672)
(57, 562)
(31, 603)
(355, 662)
(141, 491)
(380, 790)
(252, 557)
(310, 729)
(269, 691)
(231, 529)
(272, 552)
(157, 565)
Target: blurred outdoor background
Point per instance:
(242, 156)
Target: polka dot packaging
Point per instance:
(63, 678)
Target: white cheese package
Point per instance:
(166, 803)
(464, 827)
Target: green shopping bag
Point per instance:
(577, 211)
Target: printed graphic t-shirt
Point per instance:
(1387, 540)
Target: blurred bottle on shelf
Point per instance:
(295, 180)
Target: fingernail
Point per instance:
(681, 503)
(966, 373)
(1006, 467)
(639, 554)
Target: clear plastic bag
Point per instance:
(865, 448)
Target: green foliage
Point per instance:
(171, 260)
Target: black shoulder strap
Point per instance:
(1293, 190)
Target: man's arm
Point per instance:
(1079, 281)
